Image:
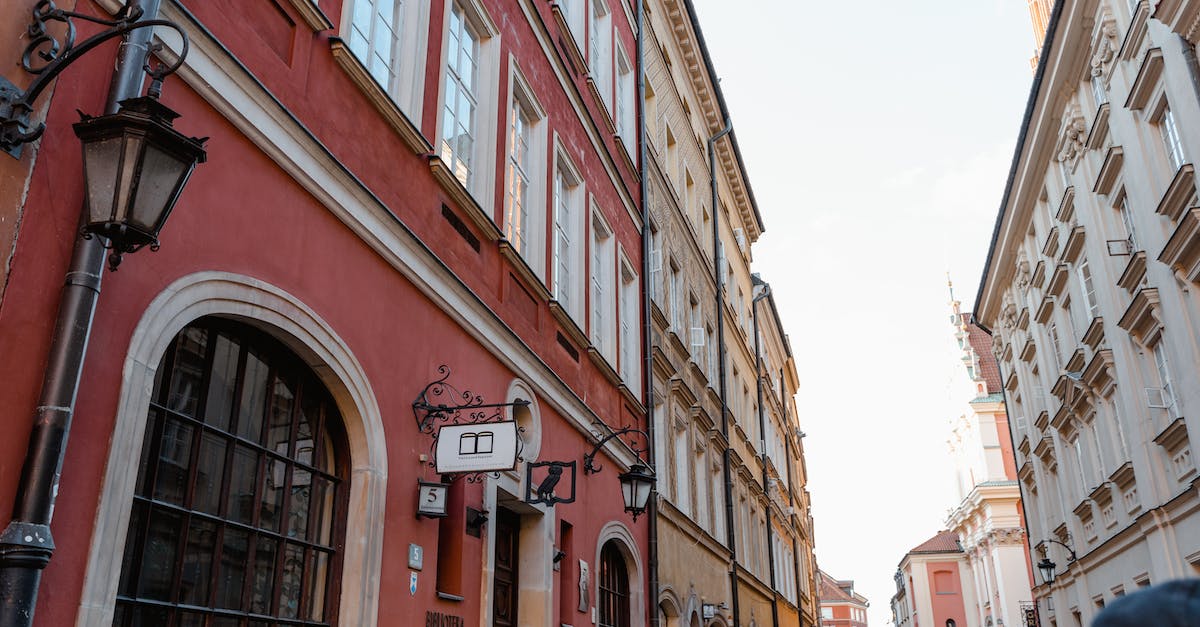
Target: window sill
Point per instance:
(567, 323)
(631, 398)
(379, 98)
(312, 15)
(626, 151)
(463, 198)
(607, 115)
(602, 363)
(574, 54)
(528, 277)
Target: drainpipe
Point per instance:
(762, 445)
(647, 323)
(727, 457)
(1193, 65)
(26, 544)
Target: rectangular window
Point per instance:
(375, 37)
(1098, 91)
(574, 11)
(524, 221)
(1127, 220)
(462, 96)
(389, 38)
(675, 299)
(1088, 288)
(516, 217)
(600, 56)
(1170, 138)
(682, 464)
(629, 328)
(626, 113)
(568, 200)
(603, 303)
(1164, 375)
(1056, 347)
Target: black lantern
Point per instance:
(1047, 568)
(135, 166)
(636, 485)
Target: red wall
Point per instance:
(949, 603)
(241, 213)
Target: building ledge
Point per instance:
(1058, 282)
(1098, 374)
(1066, 206)
(378, 97)
(1180, 192)
(312, 15)
(1141, 318)
(1042, 421)
(1147, 79)
(1109, 169)
(1074, 245)
(1134, 272)
(528, 278)
(464, 199)
(1182, 251)
(1029, 350)
(1045, 309)
(1050, 246)
(1039, 274)
(1099, 131)
(1094, 336)
(1174, 436)
(1123, 475)
(601, 363)
(1023, 319)
(567, 323)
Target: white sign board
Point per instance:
(477, 448)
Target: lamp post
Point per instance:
(127, 202)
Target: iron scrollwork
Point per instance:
(440, 403)
(47, 56)
(589, 460)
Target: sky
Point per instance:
(877, 136)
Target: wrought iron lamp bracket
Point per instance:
(1070, 551)
(46, 57)
(589, 460)
(441, 402)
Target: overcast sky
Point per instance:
(877, 135)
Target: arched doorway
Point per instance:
(613, 600)
(241, 489)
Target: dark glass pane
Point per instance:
(321, 525)
(265, 553)
(297, 526)
(242, 478)
(233, 568)
(290, 583)
(210, 471)
(152, 419)
(310, 418)
(188, 370)
(159, 554)
(191, 619)
(318, 576)
(137, 520)
(271, 501)
(151, 617)
(279, 429)
(221, 386)
(174, 461)
(225, 621)
(120, 615)
(196, 577)
(254, 397)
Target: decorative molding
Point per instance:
(1180, 194)
(1182, 251)
(1073, 139)
(1074, 246)
(1093, 337)
(1106, 178)
(1135, 271)
(312, 14)
(1058, 282)
(1147, 80)
(1174, 436)
(1066, 206)
(1050, 247)
(1104, 47)
(1099, 133)
(1045, 309)
(1141, 319)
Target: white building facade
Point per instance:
(1090, 288)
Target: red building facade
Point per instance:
(390, 188)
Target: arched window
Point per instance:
(614, 587)
(236, 512)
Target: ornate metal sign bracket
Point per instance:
(53, 56)
(440, 404)
(589, 460)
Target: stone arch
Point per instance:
(616, 532)
(286, 318)
(669, 607)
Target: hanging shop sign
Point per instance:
(550, 482)
(479, 447)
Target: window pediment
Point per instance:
(1042, 422)
(1110, 168)
(1134, 272)
(1098, 374)
(1045, 309)
(1039, 275)
(1181, 190)
(1050, 247)
(1174, 436)
(1099, 133)
(1076, 361)
(1023, 319)
(1147, 79)
(1062, 422)
(1094, 336)
(1029, 350)
(1045, 450)
(1012, 383)
(1182, 251)
(1074, 246)
(1066, 206)
(1058, 280)
(1141, 319)
(1123, 476)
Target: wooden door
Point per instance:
(504, 585)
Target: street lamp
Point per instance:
(636, 485)
(135, 166)
(1047, 569)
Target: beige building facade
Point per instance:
(1090, 289)
(733, 523)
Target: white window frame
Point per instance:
(600, 50)
(480, 177)
(528, 238)
(406, 76)
(602, 300)
(626, 101)
(629, 303)
(576, 13)
(1087, 287)
(1126, 214)
(1171, 140)
(1162, 367)
(566, 262)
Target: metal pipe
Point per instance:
(727, 461)
(787, 453)
(647, 319)
(26, 544)
(762, 449)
